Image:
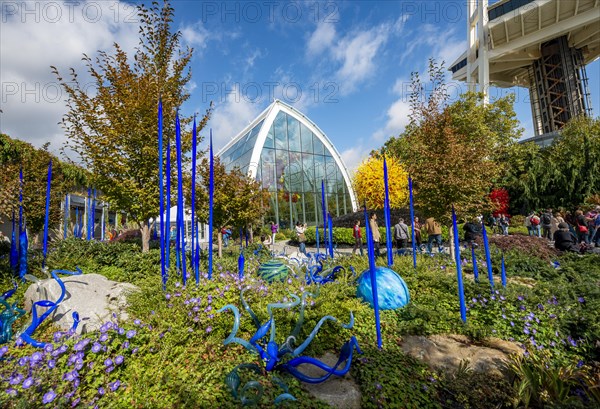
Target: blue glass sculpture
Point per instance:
(392, 290)
(263, 343)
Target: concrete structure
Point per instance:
(290, 156)
(541, 45)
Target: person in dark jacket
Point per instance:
(472, 231)
(564, 239)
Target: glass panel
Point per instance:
(318, 147)
(319, 167)
(268, 169)
(280, 125)
(269, 140)
(307, 137)
(293, 133)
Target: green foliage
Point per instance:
(564, 174)
(181, 362)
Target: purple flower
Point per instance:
(541, 307)
(522, 308)
(48, 348)
(114, 385)
(579, 364)
(3, 350)
(78, 364)
(19, 342)
(121, 331)
(27, 383)
(101, 391)
(48, 397)
(108, 362)
(79, 346)
(11, 392)
(581, 300)
(134, 351)
(208, 329)
(110, 369)
(16, 380)
(125, 345)
(130, 334)
(96, 347)
(71, 376)
(520, 298)
(75, 402)
(119, 360)
(103, 338)
(137, 322)
(51, 364)
(23, 361)
(168, 296)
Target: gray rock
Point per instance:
(342, 393)
(93, 296)
(448, 351)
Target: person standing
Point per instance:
(503, 222)
(546, 222)
(535, 224)
(274, 230)
(356, 233)
(375, 233)
(434, 233)
(401, 234)
(527, 223)
(300, 229)
(418, 232)
(581, 227)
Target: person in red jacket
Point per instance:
(357, 238)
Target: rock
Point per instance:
(342, 393)
(448, 351)
(93, 296)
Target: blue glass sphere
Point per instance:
(392, 291)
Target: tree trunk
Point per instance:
(220, 244)
(452, 248)
(145, 237)
(251, 231)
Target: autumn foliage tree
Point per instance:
(453, 152)
(114, 129)
(238, 199)
(369, 186)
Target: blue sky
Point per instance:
(345, 64)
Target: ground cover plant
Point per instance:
(170, 352)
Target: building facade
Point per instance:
(290, 156)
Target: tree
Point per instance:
(114, 129)
(16, 155)
(454, 152)
(238, 199)
(369, 185)
(564, 174)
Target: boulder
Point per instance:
(342, 393)
(446, 352)
(93, 296)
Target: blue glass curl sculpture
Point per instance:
(36, 321)
(8, 316)
(263, 343)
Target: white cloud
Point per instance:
(35, 35)
(353, 157)
(349, 59)
(195, 35)
(231, 116)
(357, 54)
(321, 39)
